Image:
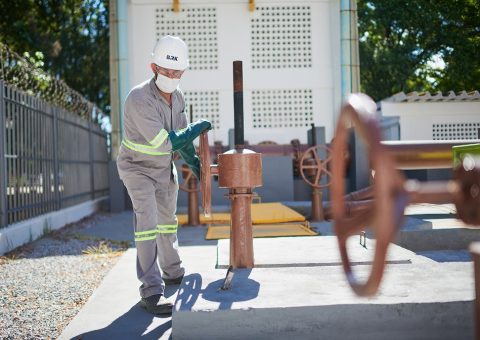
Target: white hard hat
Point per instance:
(170, 52)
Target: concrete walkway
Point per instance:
(112, 312)
(298, 289)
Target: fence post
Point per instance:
(56, 168)
(3, 161)
(90, 142)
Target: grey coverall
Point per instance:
(146, 168)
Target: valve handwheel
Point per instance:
(185, 186)
(390, 198)
(319, 166)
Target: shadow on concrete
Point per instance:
(242, 289)
(134, 324)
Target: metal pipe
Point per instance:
(350, 65)
(115, 115)
(314, 135)
(122, 44)
(241, 230)
(317, 205)
(193, 211)
(414, 155)
(238, 104)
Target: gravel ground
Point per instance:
(44, 284)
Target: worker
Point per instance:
(154, 126)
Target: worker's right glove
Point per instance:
(190, 157)
(184, 137)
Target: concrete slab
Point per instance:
(419, 298)
(300, 292)
(322, 251)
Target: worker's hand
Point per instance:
(183, 137)
(203, 125)
(190, 157)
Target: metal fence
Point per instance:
(49, 158)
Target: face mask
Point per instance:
(165, 84)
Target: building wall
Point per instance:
(290, 53)
(436, 120)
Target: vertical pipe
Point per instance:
(350, 74)
(241, 232)
(3, 161)
(238, 104)
(314, 135)
(193, 211)
(115, 114)
(122, 41)
(317, 205)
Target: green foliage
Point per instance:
(68, 38)
(400, 40)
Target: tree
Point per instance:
(73, 36)
(418, 45)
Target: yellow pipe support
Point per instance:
(251, 5)
(176, 6)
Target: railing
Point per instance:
(49, 158)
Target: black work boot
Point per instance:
(175, 281)
(157, 304)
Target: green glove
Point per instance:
(186, 136)
(190, 157)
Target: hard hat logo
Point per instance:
(170, 52)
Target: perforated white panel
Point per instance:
(456, 131)
(205, 104)
(197, 26)
(290, 48)
(281, 37)
(282, 108)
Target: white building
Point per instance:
(291, 53)
(423, 116)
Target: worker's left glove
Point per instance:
(190, 157)
(186, 136)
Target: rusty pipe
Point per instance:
(192, 200)
(317, 205)
(413, 155)
(241, 229)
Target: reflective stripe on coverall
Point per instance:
(145, 165)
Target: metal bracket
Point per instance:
(227, 283)
(363, 237)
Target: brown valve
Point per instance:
(239, 170)
(312, 167)
(391, 191)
